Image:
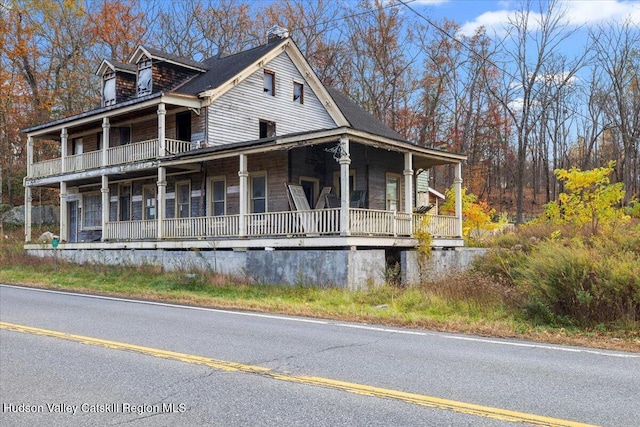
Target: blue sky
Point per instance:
(493, 14)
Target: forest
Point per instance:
(521, 104)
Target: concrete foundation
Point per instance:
(440, 263)
(352, 269)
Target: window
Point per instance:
(218, 193)
(124, 203)
(125, 135)
(258, 202)
(269, 83)
(267, 129)
(99, 140)
(392, 193)
(92, 210)
(310, 188)
(183, 126)
(76, 146)
(145, 77)
(149, 202)
(183, 199)
(298, 93)
(109, 89)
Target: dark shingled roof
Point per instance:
(225, 68)
(360, 119)
(174, 58)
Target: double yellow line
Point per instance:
(361, 389)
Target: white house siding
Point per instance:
(235, 115)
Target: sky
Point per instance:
(493, 14)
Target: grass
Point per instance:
(468, 303)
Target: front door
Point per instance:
(72, 209)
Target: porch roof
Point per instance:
(427, 157)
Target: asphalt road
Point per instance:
(105, 361)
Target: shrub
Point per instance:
(570, 282)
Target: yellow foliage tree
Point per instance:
(589, 198)
(477, 215)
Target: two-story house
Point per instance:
(245, 163)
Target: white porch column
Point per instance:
(27, 192)
(106, 126)
(27, 214)
(64, 137)
(408, 182)
(162, 113)
(29, 156)
(243, 173)
(105, 204)
(64, 217)
(345, 162)
(161, 202)
(457, 183)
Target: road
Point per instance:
(85, 360)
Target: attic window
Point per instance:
(269, 83)
(109, 89)
(298, 93)
(144, 77)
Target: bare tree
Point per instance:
(617, 56)
(532, 41)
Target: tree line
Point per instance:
(520, 104)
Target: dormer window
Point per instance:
(145, 79)
(108, 89)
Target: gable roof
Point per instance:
(166, 57)
(359, 118)
(115, 66)
(222, 69)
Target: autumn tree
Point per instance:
(119, 26)
(590, 199)
(377, 73)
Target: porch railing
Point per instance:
(315, 222)
(363, 222)
(379, 223)
(46, 168)
(436, 225)
(205, 226)
(80, 162)
(131, 230)
(134, 152)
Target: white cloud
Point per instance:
(579, 12)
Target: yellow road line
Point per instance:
(418, 399)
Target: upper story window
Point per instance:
(109, 89)
(298, 93)
(145, 77)
(267, 129)
(269, 83)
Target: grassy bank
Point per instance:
(473, 302)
